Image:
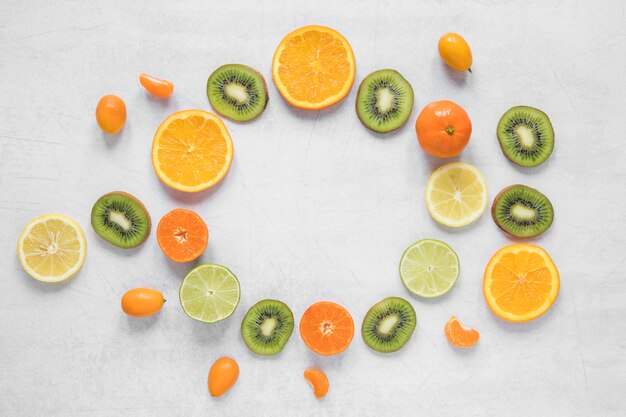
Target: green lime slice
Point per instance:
(209, 293)
(429, 268)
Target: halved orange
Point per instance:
(326, 328)
(521, 282)
(182, 235)
(192, 150)
(459, 335)
(313, 67)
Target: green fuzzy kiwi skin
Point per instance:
(508, 153)
(494, 213)
(248, 323)
(369, 320)
(111, 241)
(365, 84)
(243, 68)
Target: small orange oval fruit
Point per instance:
(459, 335)
(318, 380)
(222, 376)
(156, 86)
(455, 52)
(443, 129)
(141, 302)
(111, 114)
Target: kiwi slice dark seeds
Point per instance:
(237, 92)
(526, 135)
(267, 327)
(384, 101)
(389, 324)
(522, 211)
(121, 219)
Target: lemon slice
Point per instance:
(429, 268)
(209, 293)
(456, 194)
(52, 248)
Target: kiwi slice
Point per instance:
(384, 101)
(522, 211)
(237, 92)
(267, 327)
(389, 324)
(526, 135)
(121, 219)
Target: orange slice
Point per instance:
(182, 235)
(192, 150)
(459, 335)
(313, 67)
(521, 282)
(326, 328)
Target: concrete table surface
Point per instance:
(314, 207)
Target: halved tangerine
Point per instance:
(459, 335)
(521, 282)
(182, 235)
(326, 328)
(314, 67)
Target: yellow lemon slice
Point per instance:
(52, 248)
(456, 194)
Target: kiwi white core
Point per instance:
(525, 134)
(237, 92)
(522, 212)
(268, 327)
(120, 219)
(384, 100)
(388, 324)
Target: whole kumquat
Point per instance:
(455, 52)
(142, 302)
(222, 376)
(111, 114)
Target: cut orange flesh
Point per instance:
(326, 328)
(459, 335)
(192, 150)
(521, 282)
(182, 235)
(313, 67)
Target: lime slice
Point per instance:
(52, 248)
(209, 293)
(429, 268)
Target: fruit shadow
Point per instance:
(141, 324)
(101, 243)
(193, 198)
(457, 77)
(314, 114)
(109, 140)
(209, 333)
(462, 229)
(386, 135)
(524, 327)
(45, 287)
(528, 170)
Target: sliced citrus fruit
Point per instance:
(52, 248)
(429, 268)
(318, 380)
(456, 194)
(209, 293)
(192, 150)
(459, 335)
(182, 235)
(326, 328)
(521, 282)
(313, 67)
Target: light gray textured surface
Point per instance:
(314, 207)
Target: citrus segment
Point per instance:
(459, 335)
(429, 268)
(326, 328)
(456, 194)
(209, 293)
(313, 67)
(52, 248)
(521, 282)
(192, 150)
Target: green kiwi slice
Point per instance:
(384, 101)
(389, 324)
(522, 211)
(526, 135)
(237, 92)
(267, 327)
(121, 219)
